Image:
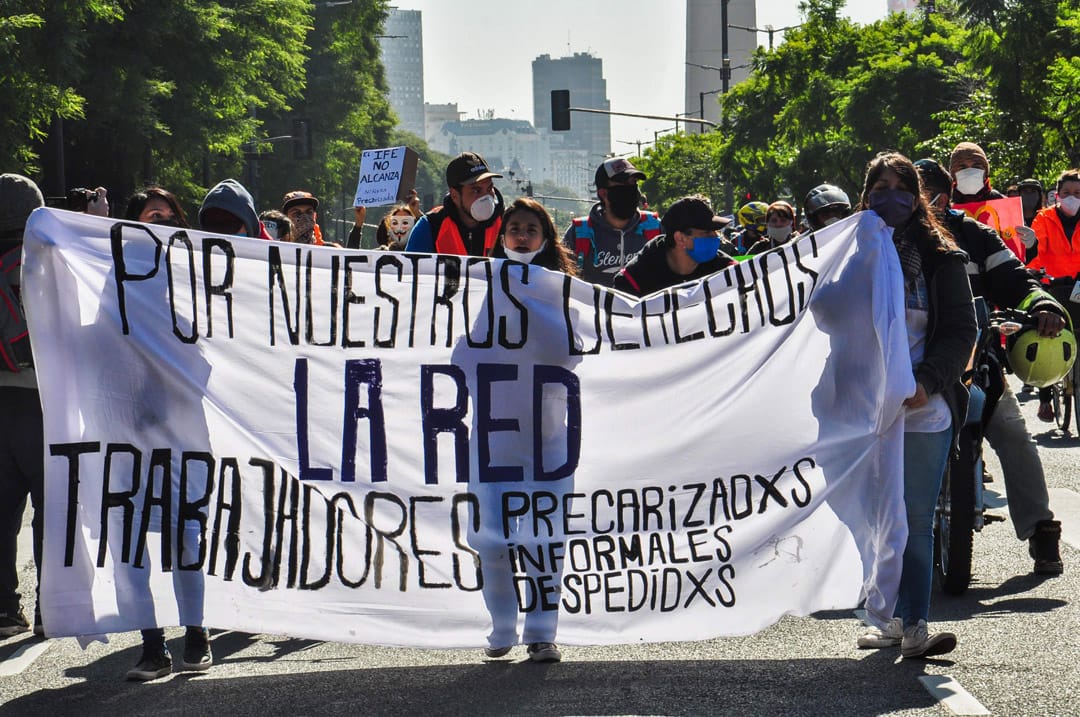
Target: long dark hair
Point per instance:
(137, 202)
(554, 255)
(930, 232)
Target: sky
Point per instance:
(479, 54)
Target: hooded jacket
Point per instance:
(231, 196)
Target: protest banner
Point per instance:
(386, 176)
(406, 449)
(1002, 215)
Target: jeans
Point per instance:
(925, 455)
(1025, 482)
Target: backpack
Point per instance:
(14, 339)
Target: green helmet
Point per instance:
(1041, 360)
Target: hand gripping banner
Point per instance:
(442, 451)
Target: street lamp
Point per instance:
(767, 29)
(701, 100)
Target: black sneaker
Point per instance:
(155, 663)
(39, 626)
(197, 655)
(544, 652)
(1043, 547)
(13, 622)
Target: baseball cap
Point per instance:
(298, 197)
(467, 168)
(1030, 183)
(692, 213)
(616, 169)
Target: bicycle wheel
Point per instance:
(1074, 379)
(954, 528)
(1056, 392)
(1068, 394)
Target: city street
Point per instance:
(1019, 644)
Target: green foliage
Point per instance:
(179, 93)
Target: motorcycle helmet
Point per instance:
(822, 197)
(1041, 360)
(752, 214)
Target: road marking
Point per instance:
(1066, 506)
(23, 657)
(948, 692)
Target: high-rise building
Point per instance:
(402, 49)
(705, 52)
(583, 75)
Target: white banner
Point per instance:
(435, 451)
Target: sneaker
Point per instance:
(13, 622)
(1046, 413)
(1043, 547)
(155, 663)
(39, 626)
(544, 652)
(494, 652)
(876, 639)
(197, 655)
(918, 642)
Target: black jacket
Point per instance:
(648, 271)
(994, 271)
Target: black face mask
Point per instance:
(623, 201)
(1030, 200)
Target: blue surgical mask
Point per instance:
(894, 206)
(704, 249)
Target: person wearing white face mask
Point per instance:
(528, 236)
(779, 227)
(1058, 234)
(468, 222)
(970, 170)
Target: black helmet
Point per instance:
(934, 177)
(825, 196)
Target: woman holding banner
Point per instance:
(941, 327)
(528, 235)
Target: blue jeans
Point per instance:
(925, 455)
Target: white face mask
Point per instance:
(969, 181)
(525, 257)
(1070, 205)
(778, 234)
(483, 208)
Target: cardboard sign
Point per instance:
(1003, 215)
(386, 176)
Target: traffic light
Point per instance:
(301, 136)
(560, 110)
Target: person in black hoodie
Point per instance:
(688, 249)
(229, 209)
(997, 274)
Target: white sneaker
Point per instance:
(876, 639)
(544, 652)
(918, 642)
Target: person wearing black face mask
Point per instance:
(940, 319)
(615, 229)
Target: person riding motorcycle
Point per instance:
(997, 275)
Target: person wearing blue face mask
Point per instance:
(940, 320)
(688, 249)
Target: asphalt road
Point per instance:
(1018, 654)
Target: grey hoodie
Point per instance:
(231, 196)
